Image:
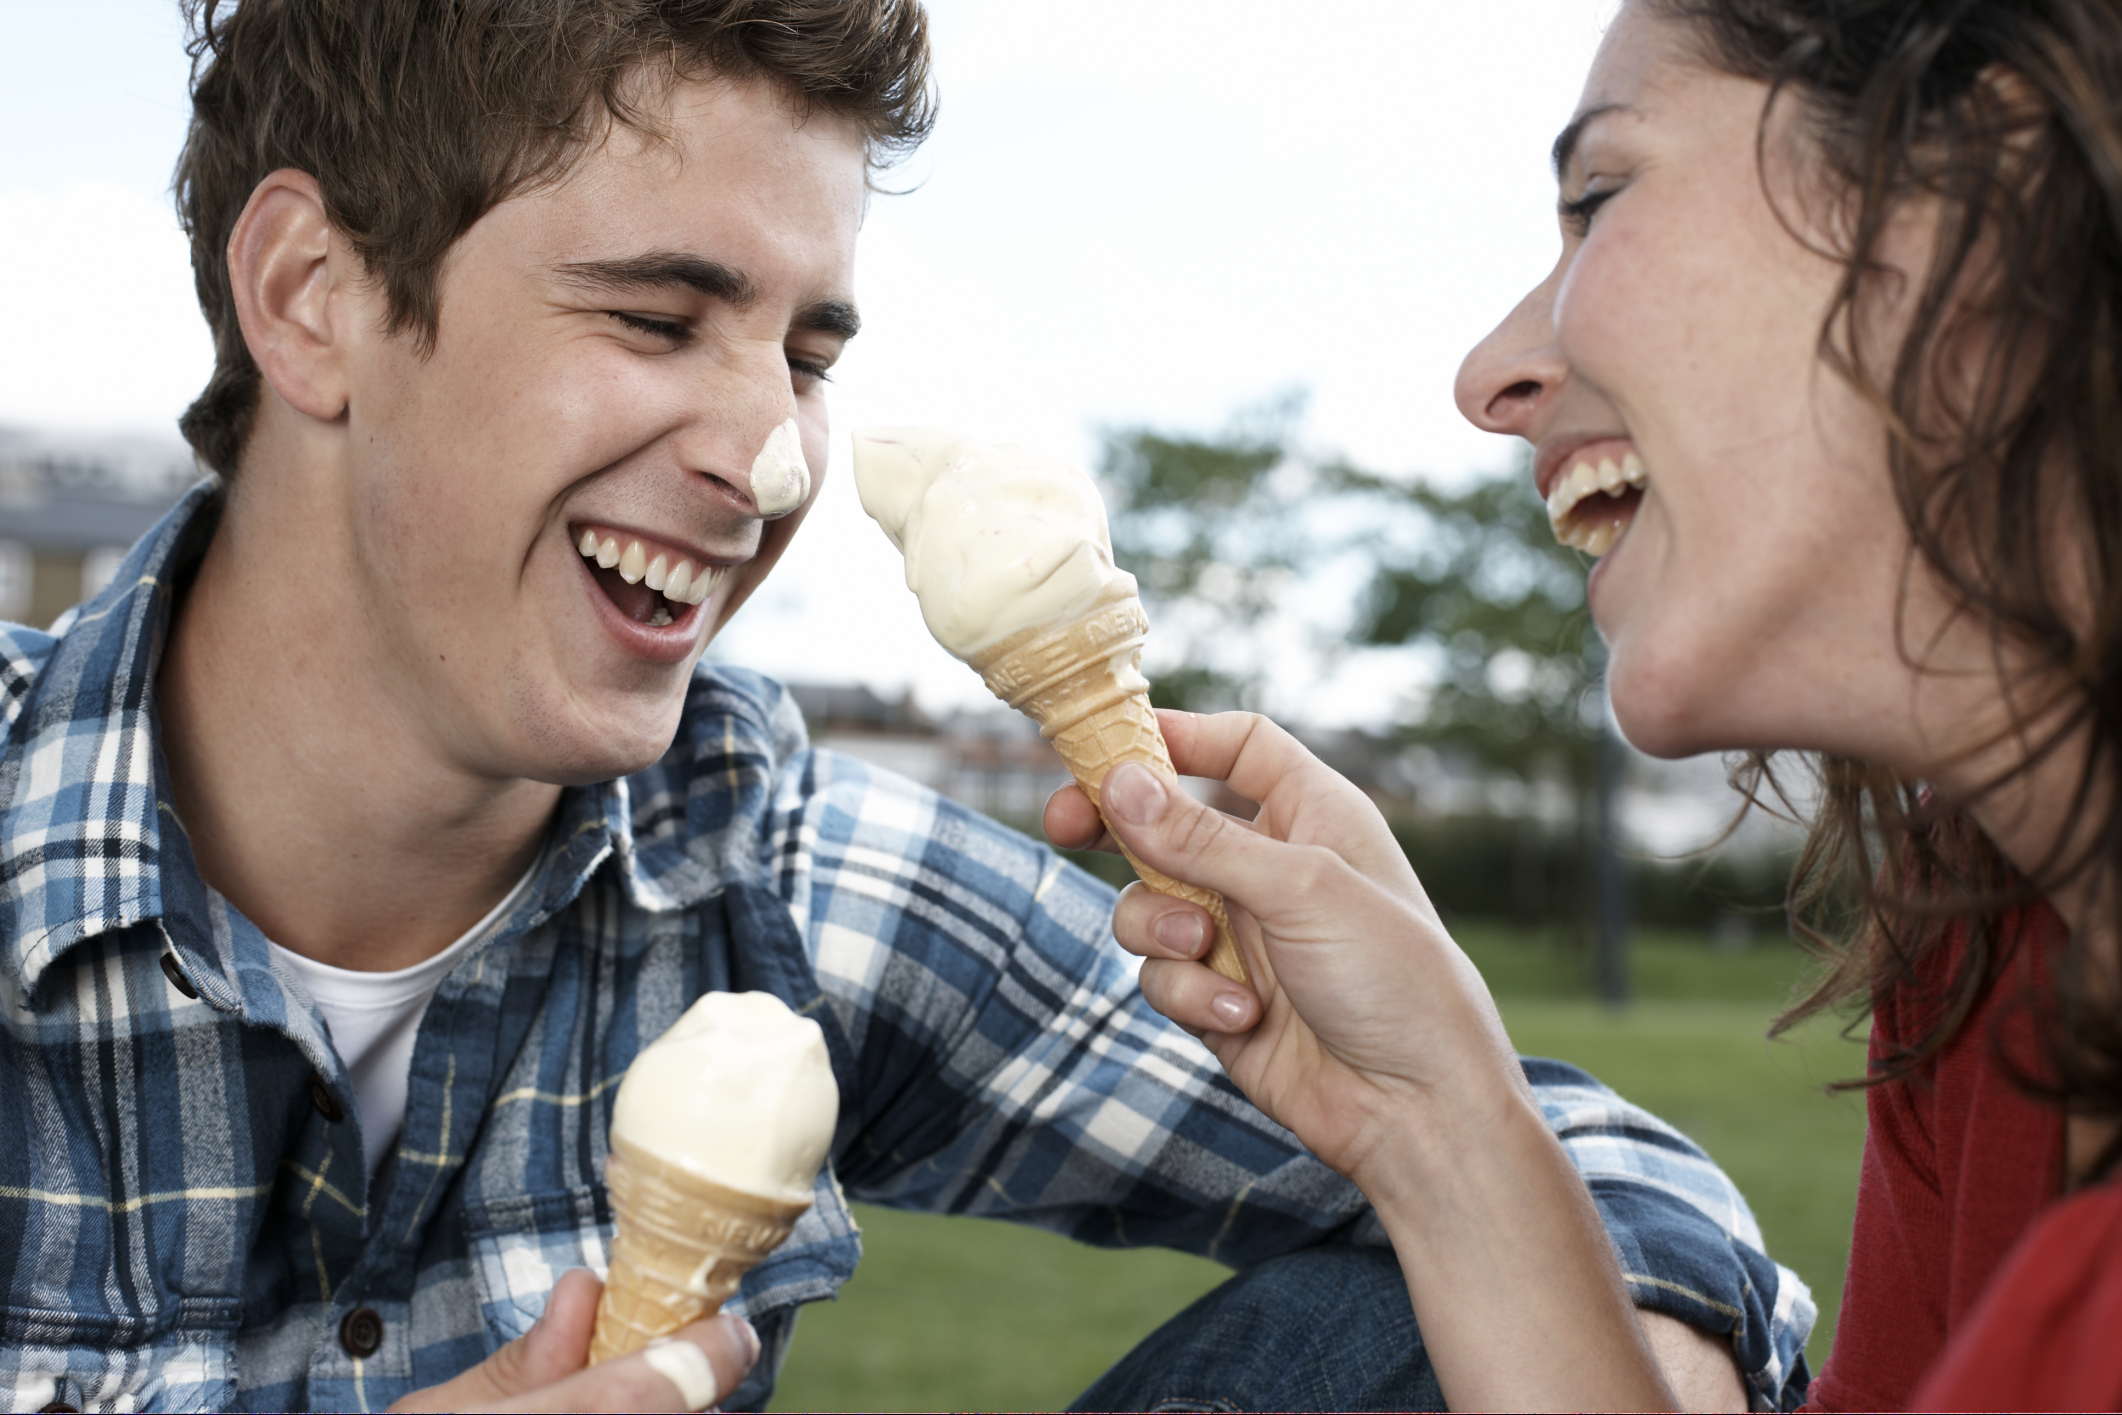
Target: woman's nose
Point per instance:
(1512, 375)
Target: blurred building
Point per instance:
(71, 506)
(994, 761)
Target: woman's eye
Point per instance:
(675, 332)
(1577, 214)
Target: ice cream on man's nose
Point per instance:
(1011, 557)
(780, 475)
(717, 1135)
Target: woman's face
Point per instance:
(1748, 590)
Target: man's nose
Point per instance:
(745, 435)
(1509, 377)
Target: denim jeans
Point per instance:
(1321, 1329)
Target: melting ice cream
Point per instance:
(739, 1091)
(996, 539)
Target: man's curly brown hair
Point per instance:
(417, 117)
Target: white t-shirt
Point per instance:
(374, 1019)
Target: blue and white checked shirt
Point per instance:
(185, 1220)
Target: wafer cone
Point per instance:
(684, 1243)
(1081, 681)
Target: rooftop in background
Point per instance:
(70, 506)
(854, 707)
(994, 760)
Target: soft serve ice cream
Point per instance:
(996, 539)
(717, 1135)
(1009, 553)
(739, 1091)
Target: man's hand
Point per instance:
(544, 1369)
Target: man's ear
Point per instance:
(282, 270)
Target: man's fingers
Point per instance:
(555, 1347)
(543, 1369)
(690, 1370)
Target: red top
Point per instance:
(1958, 1166)
(2048, 1334)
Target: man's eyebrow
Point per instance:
(662, 270)
(830, 317)
(1566, 141)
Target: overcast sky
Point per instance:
(1132, 211)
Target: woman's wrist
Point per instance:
(1433, 1148)
(1513, 1278)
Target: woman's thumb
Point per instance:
(1169, 829)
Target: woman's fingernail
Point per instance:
(1230, 1009)
(1133, 793)
(1181, 932)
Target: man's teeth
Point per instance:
(1591, 531)
(682, 583)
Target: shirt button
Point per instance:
(320, 1096)
(174, 971)
(61, 1405)
(362, 1332)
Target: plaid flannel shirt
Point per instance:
(186, 1217)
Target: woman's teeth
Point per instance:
(1594, 528)
(682, 583)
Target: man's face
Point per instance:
(614, 353)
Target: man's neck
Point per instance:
(314, 802)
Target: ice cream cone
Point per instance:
(1081, 681)
(683, 1245)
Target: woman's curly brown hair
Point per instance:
(2005, 116)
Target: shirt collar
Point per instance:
(80, 828)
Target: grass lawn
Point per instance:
(949, 1313)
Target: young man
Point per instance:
(360, 834)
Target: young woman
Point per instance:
(1840, 293)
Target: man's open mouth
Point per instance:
(1591, 504)
(650, 584)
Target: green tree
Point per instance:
(1227, 532)
(1242, 543)
(1204, 525)
(1499, 604)
(1518, 684)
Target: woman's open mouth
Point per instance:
(650, 584)
(1592, 503)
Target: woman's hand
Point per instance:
(1374, 1040)
(546, 1368)
(1366, 1014)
